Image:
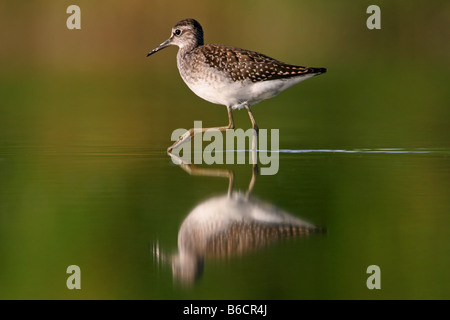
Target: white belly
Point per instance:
(215, 87)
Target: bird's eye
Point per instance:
(177, 32)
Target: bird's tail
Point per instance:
(317, 71)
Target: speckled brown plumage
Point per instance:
(243, 64)
(243, 237)
(229, 76)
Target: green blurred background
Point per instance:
(85, 119)
(384, 87)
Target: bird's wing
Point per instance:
(242, 64)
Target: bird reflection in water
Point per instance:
(228, 225)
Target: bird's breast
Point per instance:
(209, 83)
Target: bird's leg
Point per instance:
(252, 119)
(191, 132)
(255, 171)
(230, 118)
(195, 171)
(255, 174)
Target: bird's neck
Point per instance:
(195, 42)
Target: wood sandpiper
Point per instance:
(229, 76)
(228, 225)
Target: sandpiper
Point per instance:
(228, 225)
(229, 76)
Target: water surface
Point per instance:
(108, 210)
(86, 118)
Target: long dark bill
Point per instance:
(160, 47)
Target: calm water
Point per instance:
(116, 212)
